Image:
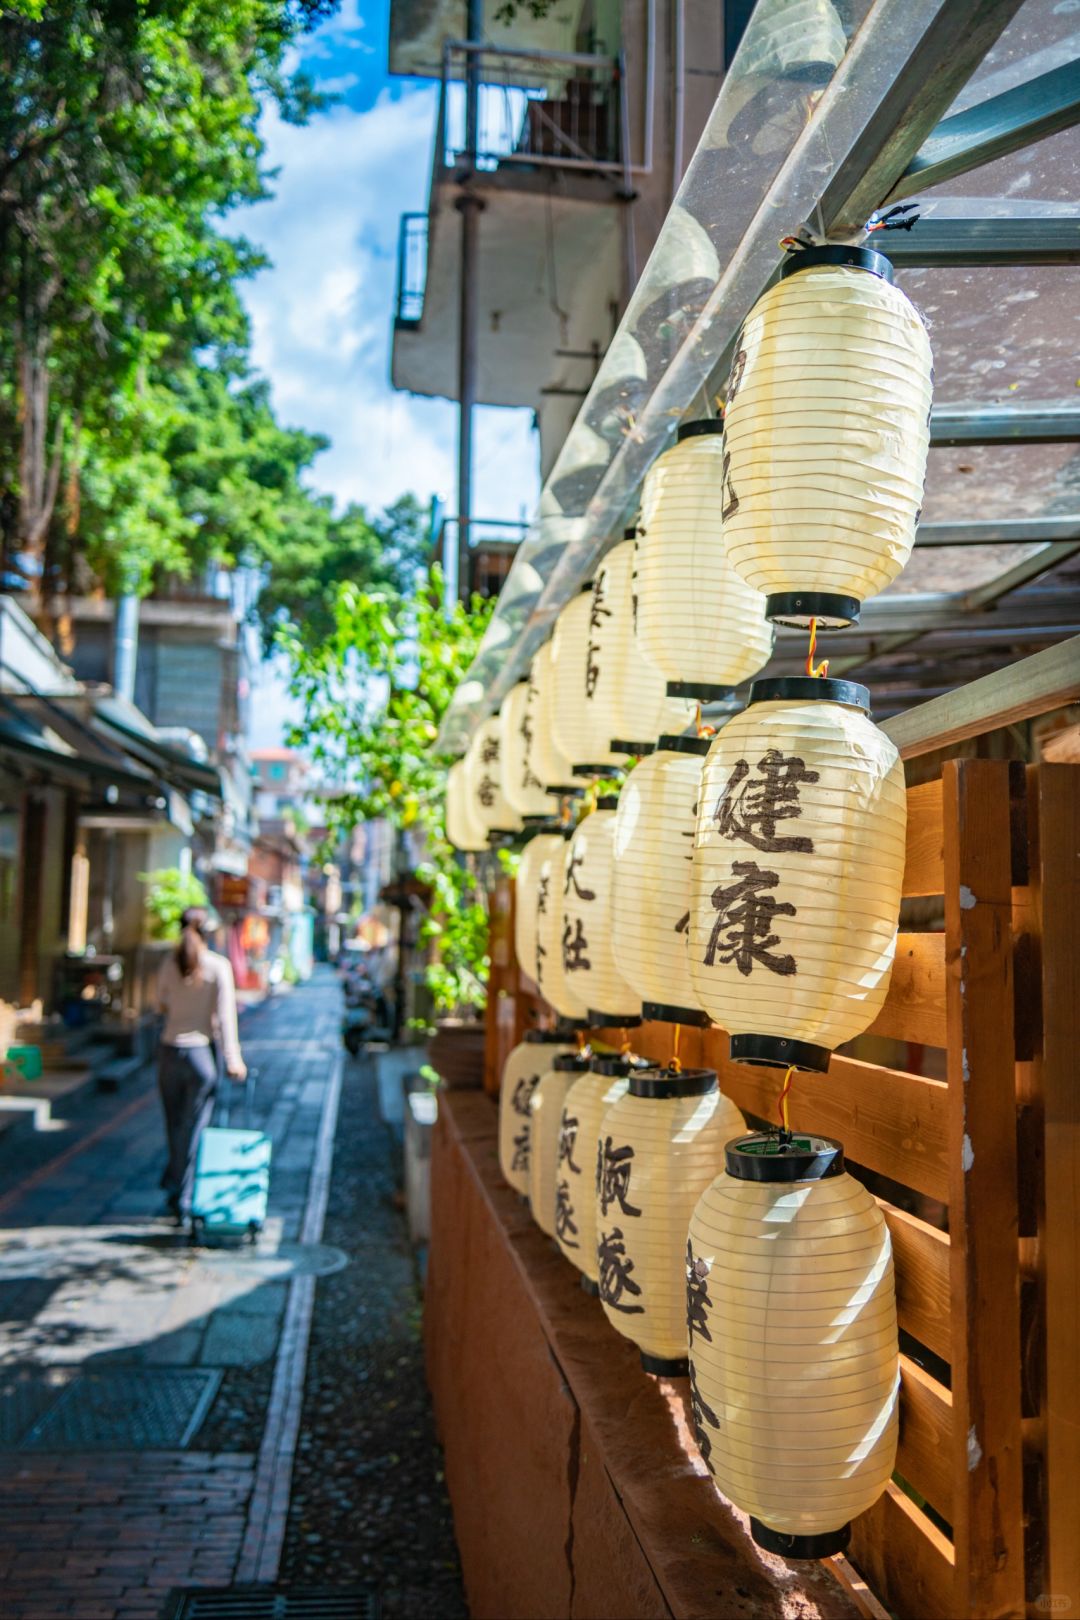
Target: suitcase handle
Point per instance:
(226, 1087)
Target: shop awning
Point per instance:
(35, 734)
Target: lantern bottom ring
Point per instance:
(703, 691)
(663, 1013)
(778, 1052)
(596, 770)
(610, 1020)
(589, 1287)
(620, 745)
(665, 1366)
(570, 1025)
(822, 1545)
(797, 608)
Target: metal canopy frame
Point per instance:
(883, 128)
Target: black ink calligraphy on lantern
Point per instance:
(697, 1296)
(520, 1160)
(615, 1267)
(565, 1228)
(523, 1091)
(540, 954)
(750, 808)
(742, 932)
(568, 1130)
(485, 792)
(574, 946)
(572, 882)
(614, 1187)
(542, 894)
(684, 921)
(702, 1413)
(597, 613)
(489, 750)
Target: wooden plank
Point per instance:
(987, 1515)
(905, 1558)
(924, 864)
(1047, 680)
(921, 1257)
(924, 1458)
(1059, 900)
(914, 1008)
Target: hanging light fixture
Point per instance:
(525, 792)
(586, 1103)
(588, 958)
(698, 622)
(797, 871)
(658, 1149)
(461, 827)
(791, 1314)
(484, 793)
(520, 1078)
(540, 848)
(653, 846)
(640, 705)
(826, 431)
(546, 1106)
(584, 678)
(544, 759)
(550, 976)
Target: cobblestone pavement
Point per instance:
(149, 1391)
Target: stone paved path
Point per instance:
(99, 1297)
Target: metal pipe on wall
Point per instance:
(125, 645)
(678, 92)
(469, 206)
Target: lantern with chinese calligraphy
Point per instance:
(826, 431)
(798, 864)
(584, 683)
(462, 828)
(546, 1106)
(653, 852)
(540, 848)
(484, 794)
(588, 957)
(586, 1103)
(545, 760)
(641, 707)
(520, 1078)
(525, 792)
(658, 1149)
(550, 976)
(698, 622)
(791, 1313)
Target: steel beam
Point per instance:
(1007, 532)
(992, 424)
(947, 243)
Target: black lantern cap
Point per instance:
(672, 744)
(570, 1025)
(778, 1052)
(783, 1156)
(661, 1012)
(596, 770)
(810, 689)
(571, 1062)
(856, 258)
(658, 1082)
(589, 1287)
(545, 1037)
(613, 1063)
(705, 424)
(619, 745)
(703, 691)
(665, 1366)
(822, 1545)
(610, 1020)
(608, 801)
(540, 824)
(797, 608)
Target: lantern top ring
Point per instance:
(797, 608)
(822, 1545)
(770, 1156)
(613, 1020)
(571, 1063)
(856, 258)
(671, 744)
(665, 1366)
(619, 746)
(660, 1011)
(541, 824)
(595, 770)
(665, 1083)
(615, 1063)
(704, 691)
(545, 1037)
(810, 689)
(608, 801)
(705, 424)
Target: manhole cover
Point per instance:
(287, 1260)
(126, 1409)
(273, 1603)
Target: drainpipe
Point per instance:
(125, 645)
(469, 206)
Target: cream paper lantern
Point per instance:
(791, 1314)
(520, 1077)
(545, 760)
(698, 622)
(584, 684)
(540, 848)
(797, 872)
(545, 1109)
(462, 829)
(586, 1103)
(484, 793)
(588, 956)
(551, 979)
(640, 708)
(826, 432)
(525, 792)
(658, 1149)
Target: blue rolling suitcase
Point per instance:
(232, 1176)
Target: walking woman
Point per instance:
(197, 995)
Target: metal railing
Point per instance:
(411, 269)
(493, 544)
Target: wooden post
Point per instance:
(987, 1494)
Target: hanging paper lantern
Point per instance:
(545, 760)
(484, 793)
(545, 1108)
(791, 1314)
(653, 851)
(588, 957)
(658, 1149)
(698, 622)
(520, 1078)
(586, 1103)
(525, 792)
(539, 849)
(798, 864)
(640, 706)
(826, 432)
(550, 975)
(583, 690)
(461, 826)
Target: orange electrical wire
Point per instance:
(674, 1064)
(822, 668)
(783, 1104)
(627, 1047)
(702, 730)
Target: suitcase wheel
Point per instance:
(254, 1228)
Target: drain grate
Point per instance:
(274, 1603)
(126, 1409)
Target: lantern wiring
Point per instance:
(822, 669)
(675, 1063)
(783, 1104)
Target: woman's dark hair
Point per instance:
(194, 925)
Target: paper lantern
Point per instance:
(484, 793)
(826, 434)
(545, 760)
(653, 846)
(698, 622)
(659, 1147)
(539, 849)
(588, 956)
(550, 976)
(797, 872)
(520, 1077)
(791, 1314)
(545, 1108)
(525, 792)
(462, 829)
(586, 1103)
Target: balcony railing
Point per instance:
(412, 269)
